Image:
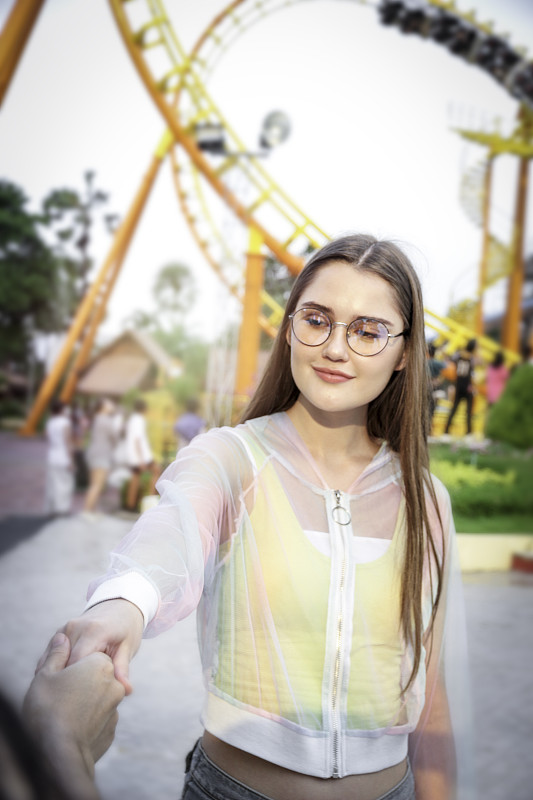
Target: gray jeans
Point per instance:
(205, 781)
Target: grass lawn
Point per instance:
(498, 523)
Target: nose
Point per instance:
(336, 347)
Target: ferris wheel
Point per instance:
(206, 152)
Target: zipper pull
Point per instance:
(340, 514)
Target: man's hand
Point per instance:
(72, 712)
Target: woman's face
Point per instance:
(331, 378)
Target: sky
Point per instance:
(373, 145)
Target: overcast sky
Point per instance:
(372, 146)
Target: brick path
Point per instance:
(43, 582)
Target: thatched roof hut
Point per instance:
(132, 361)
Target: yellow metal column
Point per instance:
(250, 331)
(13, 39)
(97, 292)
(513, 315)
(84, 353)
(485, 253)
(519, 144)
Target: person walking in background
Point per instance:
(60, 467)
(100, 453)
(322, 553)
(80, 426)
(464, 387)
(496, 378)
(139, 454)
(189, 424)
(435, 367)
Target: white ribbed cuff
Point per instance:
(130, 586)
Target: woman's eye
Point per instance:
(317, 321)
(367, 331)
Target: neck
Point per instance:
(341, 436)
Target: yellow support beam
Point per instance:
(455, 336)
(249, 333)
(90, 302)
(519, 144)
(14, 37)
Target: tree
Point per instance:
(278, 280)
(44, 263)
(30, 278)
(511, 418)
(69, 215)
(174, 293)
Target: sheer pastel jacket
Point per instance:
(297, 589)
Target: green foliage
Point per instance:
(128, 400)
(278, 280)
(511, 418)
(494, 523)
(29, 276)
(69, 215)
(44, 263)
(457, 476)
(174, 290)
(486, 484)
(183, 388)
(10, 407)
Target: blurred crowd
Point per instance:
(106, 448)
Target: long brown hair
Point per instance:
(399, 415)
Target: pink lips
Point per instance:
(332, 376)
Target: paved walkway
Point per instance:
(43, 581)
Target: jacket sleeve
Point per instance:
(441, 747)
(172, 548)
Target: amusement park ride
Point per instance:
(204, 169)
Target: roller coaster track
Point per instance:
(172, 79)
(176, 80)
(499, 261)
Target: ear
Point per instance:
(288, 335)
(402, 363)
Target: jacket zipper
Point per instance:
(337, 669)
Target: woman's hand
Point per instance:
(72, 712)
(113, 627)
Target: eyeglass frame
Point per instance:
(346, 325)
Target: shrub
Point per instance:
(10, 407)
(485, 484)
(511, 418)
(456, 476)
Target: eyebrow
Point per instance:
(331, 313)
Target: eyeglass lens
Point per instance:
(365, 336)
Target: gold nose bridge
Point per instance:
(334, 325)
(345, 324)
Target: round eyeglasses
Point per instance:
(365, 336)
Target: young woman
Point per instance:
(100, 452)
(318, 551)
